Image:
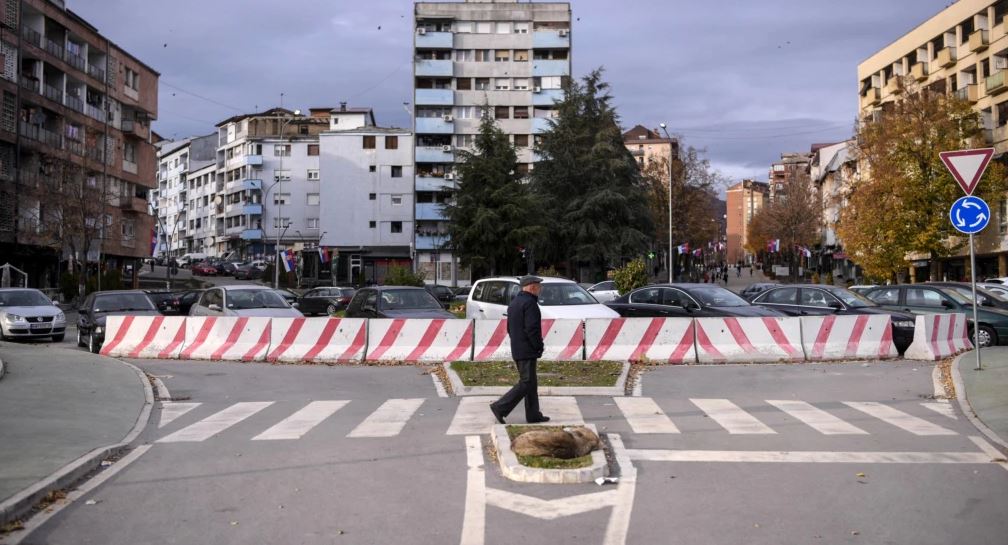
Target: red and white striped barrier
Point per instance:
(848, 337)
(635, 339)
(419, 340)
(938, 336)
(750, 339)
(563, 340)
(226, 338)
(144, 336)
(322, 340)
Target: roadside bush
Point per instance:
(631, 276)
(68, 286)
(401, 276)
(548, 271)
(286, 280)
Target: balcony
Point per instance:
(133, 128)
(431, 242)
(76, 61)
(969, 93)
(30, 83)
(871, 98)
(251, 234)
(978, 41)
(243, 209)
(96, 72)
(894, 86)
(434, 125)
(243, 185)
(919, 71)
(637, 152)
(542, 67)
(74, 103)
(52, 93)
(999, 135)
(995, 83)
(252, 160)
(129, 166)
(434, 154)
(94, 112)
(945, 57)
(435, 97)
(37, 133)
(540, 125)
(430, 67)
(31, 36)
(54, 49)
(551, 39)
(74, 147)
(435, 40)
(429, 211)
(133, 204)
(546, 97)
(433, 183)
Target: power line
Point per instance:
(381, 81)
(760, 129)
(201, 97)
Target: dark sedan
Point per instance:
(324, 301)
(247, 272)
(929, 299)
(822, 300)
(443, 294)
(685, 301)
(395, 302)
(98, 306)
(752, 290)
(985, 297)
(167, 302)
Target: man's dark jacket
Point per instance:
(524, 327)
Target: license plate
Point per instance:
(41, 326)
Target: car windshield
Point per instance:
(852, 299)
(407, 299)
(23, 298)
(122, 301)
(345, 293)
(714, 296)
(247, 299)
(561, 294)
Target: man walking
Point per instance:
(525, 329)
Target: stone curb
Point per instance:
(22, 502)
(965, 406)
(610, 391)
(514, 470)
(3, 369)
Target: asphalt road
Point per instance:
(307, 454)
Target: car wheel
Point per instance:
(92, 345)
(58, 338)
(331, 309)
(80, 339)
(987, 336)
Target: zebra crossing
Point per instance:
(643, 415)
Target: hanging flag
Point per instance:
(773, 245)
(683, 248)
(153, 241)
(806, 252)
(698, 252)
(289, 262)
(323, 254)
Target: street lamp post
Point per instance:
(665, 130)
(279, 216)
(168, 241)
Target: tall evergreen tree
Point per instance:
(595, 198)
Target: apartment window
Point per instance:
(463, 55)
(372, 224)
(503, 28)
(127, 229)
(313, 149)
(502, 84)
(392, 142)
(521, 28)
(395, 227)
(465, 112)
(482, 84)
(129, 151)
(502, 55)
(550, 82)
(463, 26)
(283, 223)
(372, 196)
(132, 79)
(281, 198)
(521, 140)
(313, 175)
(521, 84)
(483, 55)
(484, 27)
(502, 112)
(372, 168)
(302, 129)
(521, 55)
(313, 199)
(281, 150)
(521, 112)
(464, 140)
(396, 200)
(313, 223)
(280, 175)
(396, 171)
(369, 142)
(463, 84)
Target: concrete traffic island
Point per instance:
(460, 389)
(512, 469)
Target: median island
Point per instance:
(550, 373)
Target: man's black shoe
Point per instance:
(497, 415)
(539, 420)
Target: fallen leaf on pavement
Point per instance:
(860, 475)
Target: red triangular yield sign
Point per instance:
(967, 166)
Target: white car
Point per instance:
(996, 289)
(243, 300)
(999, 280)
(560, 298)
(28, 314)
(258, 264)
(605, 292)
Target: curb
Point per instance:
(3, 369)
(23, 501)
(965, 406)
(514, 470)
(619, 390)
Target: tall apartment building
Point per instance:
(76, 114)
(792, 166)
(832, 169)
(744, 200)
(962, 50)
(509, 58)
(178, 185)
(646, 145)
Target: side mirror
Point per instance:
(691, 306)
(214, 307)
(295, 305)
(947, 304)
(55, 302)
(835, 305)
(368, 308)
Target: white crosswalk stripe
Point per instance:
(301, 422)
(898, 418)
(944, 409)
(731, 417)
(644, 415)
(388, 420)
(212, 425)
(473, 416)
(818, 419)
(170, 410)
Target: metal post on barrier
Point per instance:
(976, 326)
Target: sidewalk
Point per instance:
(735, 283)
(56, 407)
(986, 391)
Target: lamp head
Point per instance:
(662, 125)
(297, 112)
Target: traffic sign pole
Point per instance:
(976, 326)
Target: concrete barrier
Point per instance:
(226, 338)
(939, 336)
(144, 336)
(669, 340)
(750, 339)
(860, 336)
(317, 340)
(419, 340)
(563, 340)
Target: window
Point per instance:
(1003, 216)
(129, 151)
(313, 149)
(127, 229)
(313, 223)
(502, 55)
(286, 223)
(503, 28)
(917, 297)
(646, 296)
(521, 55)
(281, 198)
(502, 84)
(464, 140)
(502, 112)
(372, 168)
(885, 296)
(302, 129)
(482, 84)
(521, 84)
(483, 55)
(391, 142)
(520, 140)
(313, 174)
(463, 55)
(463, 26)
(132, 79)
(396, 200)
(281, 150)
(521, 28)
(371, 196)
(483, 27)
(369, 142)
(395, 227)
(313, 199)
(396, 171)
(783, 296)
(521, 112)
(372, 224)
(281, 175)
(463, 84)
(816, 298)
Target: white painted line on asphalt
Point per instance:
(550, 509)
(619, 521)
(472, 416)
(944, 409)
(644, 415)
(731, 417)
(212, 425)
(438, 387)
(939, 388)
(811, 457)
(388, 420)
(162, 390)
(301, 422)
(898, 418)
(171, 410)
(995, 455)
(474, 520)
(560, 409)
(638, 387)
(818, 419)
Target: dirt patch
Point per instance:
(546, 462)
(438, 371)
(945, 376)
(550, 373)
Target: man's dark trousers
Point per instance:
(527, 388)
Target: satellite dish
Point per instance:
(219, 200)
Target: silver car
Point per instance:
(248, 301)
(28, 314)
(604, 292)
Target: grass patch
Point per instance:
(546, 462)
(550, 373)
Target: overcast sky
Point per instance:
(745, 80)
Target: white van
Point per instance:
(560, 298)
(188, 259)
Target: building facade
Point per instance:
(832, 169)
(177, 163)
(76, 159)
(502, 58)
(647, 145)
(744, 200)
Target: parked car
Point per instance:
(289, 296)
(27, 313)
(822, 300)
(685, 301)
(190, 259)
(862, 288)
(243, 300)
(752, 290)
(996, 280)
(167, 302)
(259, 265)
(604, 291)
(929, 299)
(560, 298)
(997, 289)
(461, 294)
(985, 297)
(247, 272)
(204, 269)
(443, 294)
(395, 302)
(324, 301)
(186, 300)
(98, 306)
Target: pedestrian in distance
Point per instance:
(524, 323)
(726, 277)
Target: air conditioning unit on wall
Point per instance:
(446, 148)
(449, 176)
(563, 32)
(421, 31)
(448, 118)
